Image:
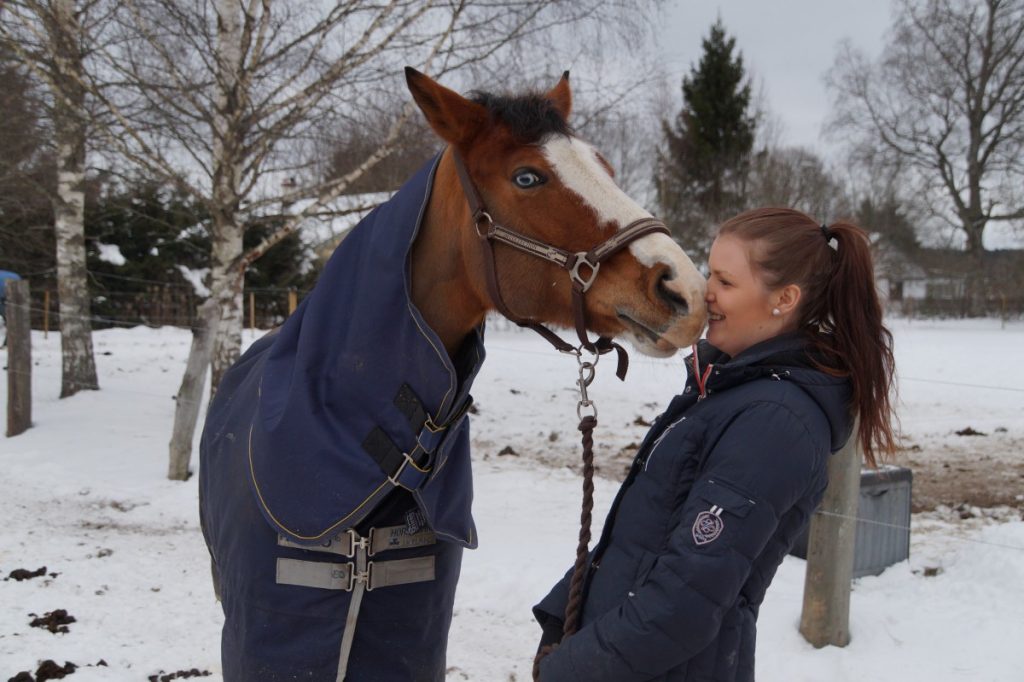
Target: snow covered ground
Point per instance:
(84, 494)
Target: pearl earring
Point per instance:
(776, 312)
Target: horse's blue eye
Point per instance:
(525, 179)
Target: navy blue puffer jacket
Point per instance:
(723, 483)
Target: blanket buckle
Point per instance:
(406, 461)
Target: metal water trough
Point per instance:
(883, 526)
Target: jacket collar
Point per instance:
(791, 347)
(786, 357)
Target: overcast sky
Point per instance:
(787, 45)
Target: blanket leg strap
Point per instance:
(360, 575)
(362, 578)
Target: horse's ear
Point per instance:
(561, 96)
(453, 117)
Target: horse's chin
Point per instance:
(655, 349)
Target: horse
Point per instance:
(335, 481)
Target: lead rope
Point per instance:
(574, 606)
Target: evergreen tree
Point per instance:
(138, 237)
(158, 233)
(887, 220)
(702, 169)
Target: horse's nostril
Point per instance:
(671, 297)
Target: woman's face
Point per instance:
(739, 303)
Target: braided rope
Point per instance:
(574, 607)
(539, 657)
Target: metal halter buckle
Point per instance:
(581, 259)
(483, 217)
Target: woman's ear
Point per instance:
(787, 298)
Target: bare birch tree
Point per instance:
(226, 99)
(53, 39)
(944, 103)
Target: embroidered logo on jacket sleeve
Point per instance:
(708, 526)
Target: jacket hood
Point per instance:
(787, 357)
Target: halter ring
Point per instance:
(581, 259)
(483, 217)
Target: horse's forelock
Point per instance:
(529, 118)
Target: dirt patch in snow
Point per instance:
(979, 471)
(49, 670)
(20, 574)
(56, 621)
(179, 675)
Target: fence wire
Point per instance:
(897, 526)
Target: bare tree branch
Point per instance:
(946, 103)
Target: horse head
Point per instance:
(540, 180)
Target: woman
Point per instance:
(729, 475)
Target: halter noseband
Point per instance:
(488, 230)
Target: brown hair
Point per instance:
(839, 310)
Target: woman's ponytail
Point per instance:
(856, 341)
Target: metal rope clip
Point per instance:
(587, 371)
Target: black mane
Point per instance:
(530, 117)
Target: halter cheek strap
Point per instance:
(582, 267)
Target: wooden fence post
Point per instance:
(165, 305)
(293, 301)
(826, 611)
(46, 313)
(19, 358)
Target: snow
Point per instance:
(110, 253)
(85, 494)
(196, 277)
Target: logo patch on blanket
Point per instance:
(708, 526)
(414, 522)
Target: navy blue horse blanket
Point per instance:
(335, 482)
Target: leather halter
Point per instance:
(582, 267)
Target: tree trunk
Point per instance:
(229, 132)
(190, 394)
(19, 358)
(976, 278)
(826, 611)
(226, 292)
(78, 362)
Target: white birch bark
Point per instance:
(217, 338)
(190, 394)
(78, 365)
(226, 237)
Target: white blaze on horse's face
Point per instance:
(578, 168)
